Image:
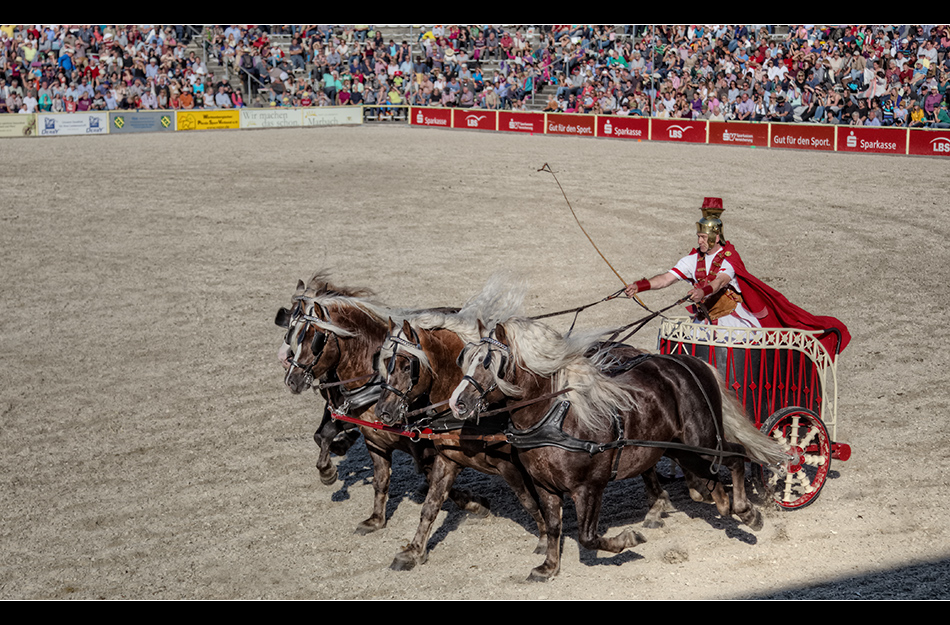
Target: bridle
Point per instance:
(414, 369)
(300, 321)
(494, 345)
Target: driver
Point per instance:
(726, 294)
(716, 292)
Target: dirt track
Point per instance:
(151, 450)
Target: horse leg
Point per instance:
(424, 456)
(473, 504)
(442, 475)
(587, 501)
(382, 472)
(551, 507)
(528, 498)
(741, 505)
(323, 437)
(698, 465)
(658, 499)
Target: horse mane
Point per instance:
(320, 290)
(501, 297)
(320, 284)
(567, 361)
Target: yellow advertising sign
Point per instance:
(205, 120)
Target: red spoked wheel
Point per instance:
(802, 431)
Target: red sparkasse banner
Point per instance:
(739, 133)
(872, 140)
(570, 124)
(430, 117)
(803, 136)
(679, 130)
(620, 127)
(520, 122)
(930, 142)
(475, 119)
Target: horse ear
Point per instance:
(406, 328)
(301, 287)
(392, 325)
(481, 328)
(500, 334)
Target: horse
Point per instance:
(331, 436)
(334, 338)
(418, 367)
(576, 427)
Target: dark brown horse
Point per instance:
(334, 337)
(418, 366)
(575, 442)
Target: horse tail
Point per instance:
(737, 428)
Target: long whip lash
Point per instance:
(547, 168)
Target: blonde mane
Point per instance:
(567, 362)
(502, 297)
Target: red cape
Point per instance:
(775, 311)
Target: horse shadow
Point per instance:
(408, 485)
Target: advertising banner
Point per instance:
(207, 120)
(739, 133)
(620, 127)
(684, 130)
(16, 125)
(88, 123)
(510, 121)
(570, 124)
(270, 118)
(930, 142)
(872, 140)
(475, 119)
(141, 121)
(332, 115)
(803, 137)
(430, 117)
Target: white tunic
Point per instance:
(685, 269)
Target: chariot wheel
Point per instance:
(802, 431)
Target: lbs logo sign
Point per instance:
(941, 145)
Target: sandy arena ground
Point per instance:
(151, 450)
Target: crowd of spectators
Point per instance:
(842, 74)
(68, 68)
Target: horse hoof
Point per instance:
(479, 511)
(633, 538)
(753, 518)
(406, 561)
(695, 495)
(328, 476)
(368, 527)
(540, 574)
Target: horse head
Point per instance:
(404, 367)
(487, 366)
(312, 343)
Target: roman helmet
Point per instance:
(710, 223)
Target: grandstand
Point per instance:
(867, 75)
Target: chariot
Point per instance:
(787, 381)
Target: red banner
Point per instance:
(872, 140)
(570, 124)
(679, 130)
(930, 142)
(430, 117)
(520, 122)
(739, 133)
(803, 137)
(620, 127)
(475, 119)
